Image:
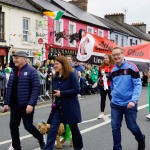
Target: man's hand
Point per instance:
(6, 108)
(29, 109)
(131, 105)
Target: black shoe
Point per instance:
(141, 145)
(42, 145)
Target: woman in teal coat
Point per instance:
(66, 108)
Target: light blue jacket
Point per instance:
(126, 84)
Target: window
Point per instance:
(72, 30)
(58, 28)
(100, 33)
(109, 34)
(122, 42)
(116, 39)
(26, 22)
(131, 42)
(1, 26)
(90, 29)
(136, 42)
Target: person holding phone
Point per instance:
(67, 108)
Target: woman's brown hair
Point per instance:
(111, 61)
(67, 68)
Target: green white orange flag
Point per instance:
(56, 15)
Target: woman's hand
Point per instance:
(5, 108)
(57, 93)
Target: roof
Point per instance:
(49, 6)
(78, 13)
(21, 4)
(125, 28)
(137, 32)
(115, 26)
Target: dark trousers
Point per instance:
(82, 91)
(103, 94)
(15, 118)
(76, 135)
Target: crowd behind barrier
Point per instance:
(88, 76)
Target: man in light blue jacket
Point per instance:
(126, 87)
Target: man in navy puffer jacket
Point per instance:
(21, 96)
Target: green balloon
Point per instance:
(39, 54)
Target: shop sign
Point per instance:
(40, 41)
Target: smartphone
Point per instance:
(54, 92)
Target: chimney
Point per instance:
(116, 17)
(80, 3)
(141, 26)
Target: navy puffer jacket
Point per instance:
(28, 86)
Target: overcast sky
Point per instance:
(136, 10)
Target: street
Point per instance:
(96, 133)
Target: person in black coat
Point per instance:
(66, 107)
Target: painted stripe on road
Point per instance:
(142, 107)
(106, 121)
(94, 119)
(95, 127)
(21, 138)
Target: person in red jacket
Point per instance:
(104, 81)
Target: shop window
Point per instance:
(26, 29)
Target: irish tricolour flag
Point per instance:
(56, 15)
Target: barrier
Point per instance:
(46, 89)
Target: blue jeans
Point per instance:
(76, 135)
(117, 113)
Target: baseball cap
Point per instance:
(20, 54)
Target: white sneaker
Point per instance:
(79, 95)
(148, 116)
(101, 115)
